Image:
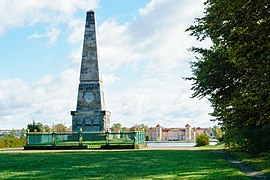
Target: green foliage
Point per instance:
(46, 128)
(143, 164)
(250, 139)
(59, 127)
(125, 129)
(217, 133)
(234, 72)
(11, 142)
(259, 161)
(38, 127)
(147, 138)
(13, 133)
(202, 139)
(5, 134)
(141, 127)
(116, 127)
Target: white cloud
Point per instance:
(155, 43)
(76, 55)
(161, 100)
(142, 62)
(48, 101)
(116, 48)
(77, 30)
(51, 34)
(51, 13)
(157, 35)
(110, 79)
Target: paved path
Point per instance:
(247, 169)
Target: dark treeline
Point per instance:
(234, 73)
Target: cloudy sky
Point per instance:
(143, 54)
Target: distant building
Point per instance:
(188, 133)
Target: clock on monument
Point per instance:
(88, 97)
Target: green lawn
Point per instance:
(259, 161)
(131, 164)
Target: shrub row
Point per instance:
(10, 142)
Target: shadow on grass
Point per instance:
(140, 164)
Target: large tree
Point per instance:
(234, 73)
(35, 127)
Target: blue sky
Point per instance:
(30, 54)
(143, 53)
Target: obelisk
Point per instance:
(90, 115)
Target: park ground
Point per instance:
(150, 163)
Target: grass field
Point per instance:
(132, 164)
(259, 161)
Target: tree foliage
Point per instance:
(35, 127)
(217, 133)
(116, 127)
(60, 127)
(234, 72)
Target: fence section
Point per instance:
(93, 139)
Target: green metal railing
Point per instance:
(93, 139)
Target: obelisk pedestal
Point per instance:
(90, 115)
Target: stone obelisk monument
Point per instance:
(90, 115)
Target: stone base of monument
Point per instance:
(140, 146)
(54, 147)
(110, 146)
(117, 146)
(124, 146)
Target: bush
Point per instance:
(202, 139)
(11, 142)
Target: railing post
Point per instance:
(53, 139)
(135, 137)
(80, 137)
(27, 136)
(107, 137)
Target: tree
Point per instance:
(5, 134)
(13, 133)
(35, 127)
(60, 127)
(116, 127)
(217, 133)
(125, 129)
(141, 127)
(234, 73)
(46, 128)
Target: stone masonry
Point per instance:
(90, 115)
